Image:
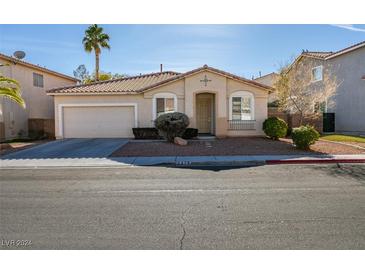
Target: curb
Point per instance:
(316, 161)
(220, 163)
(190, 163)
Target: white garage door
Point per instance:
(98, 121)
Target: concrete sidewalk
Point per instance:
(180, 161)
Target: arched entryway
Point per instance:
(205, 113)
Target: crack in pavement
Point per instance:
(183, 221)
(184, 232)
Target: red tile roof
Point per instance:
(128, 85)
(36, 67)
(142, 83)
(317, 54)
(329, 54)
(348, 49)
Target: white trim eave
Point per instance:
(345, 51)
(211, 71)
(62, 106)
(318, 80)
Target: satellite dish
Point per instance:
(19, 54)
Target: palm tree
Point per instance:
(10, 88)
(95, 40)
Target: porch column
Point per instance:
(189, 108)
(221, 115)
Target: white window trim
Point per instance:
(165, 95)
(42, 77)
(242, 94)
(321, 67)
(62, 106)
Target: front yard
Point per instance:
(347, 139)
(231, 146)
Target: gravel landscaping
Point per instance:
(7, 148)
(231, 146)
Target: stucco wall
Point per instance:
(350, 96)
(38, 104)
(269, 80)
(143, 101)
(261, 98)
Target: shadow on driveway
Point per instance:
(70, 148)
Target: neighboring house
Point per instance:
(216, 102)
(348, 66)
(34, 81)
(269, 80)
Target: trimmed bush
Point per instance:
(273, 104)
(37, 135)
(171, 125)
(146, 133)
(304, 136)
(275, 128)
(190, 133)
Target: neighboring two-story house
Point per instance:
(348, 67)
(39, 112)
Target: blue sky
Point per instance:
(241, 49)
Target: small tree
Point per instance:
(82, 73)
(298, 93)
(10, 88)
(94, 40)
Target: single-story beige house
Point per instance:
(216, 102)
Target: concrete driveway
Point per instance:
(70, 148)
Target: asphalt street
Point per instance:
(262, 207)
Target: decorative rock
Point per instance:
(180, 141)
(5, 146)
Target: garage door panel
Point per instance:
(98, 121)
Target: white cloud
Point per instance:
(350, 27)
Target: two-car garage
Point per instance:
(97, 120)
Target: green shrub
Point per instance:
(275, 128)
(304, 136)
(273, 104)
(171, 125)
(37, 135)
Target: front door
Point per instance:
(204, 113)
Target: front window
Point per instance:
(38, 80)
(164, 105)
(317, 74)
(163, 102)
(242, 107)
